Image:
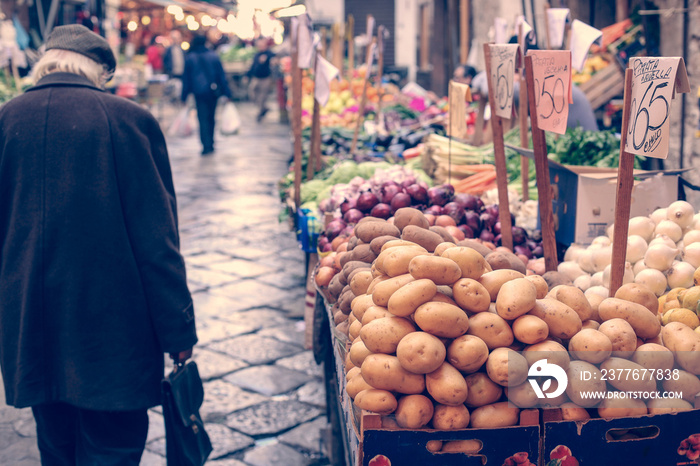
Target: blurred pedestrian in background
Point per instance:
(92, 284)
(174, 56)
(154, 55)
(260, 74)
(204, 77)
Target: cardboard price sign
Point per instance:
(655, 82)
(552, 84)
(504, 60)
(557, 19)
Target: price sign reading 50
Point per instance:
(654, 83)
(552, 84)
(504, 61)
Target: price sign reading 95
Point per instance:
(551, 71)
(654, 84)
(504, 60)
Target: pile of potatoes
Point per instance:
(441, 339)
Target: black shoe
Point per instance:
(207, 152)
(262, 114)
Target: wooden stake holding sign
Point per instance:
(651, 84)
(548, 75)
(314, 162)
(501, 62)
(349, 26)
(363, 100)
(296, 116)
(522, 117)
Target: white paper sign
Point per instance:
(557, 19)
(500, 31)
(551, 70)
(505, 59)
(528, 35)
(582, 37)
(325, 72)
(655, 82)
(305, 42)
(459, 94)
(370, 27)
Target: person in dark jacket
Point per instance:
(93, 289)
(260, 74)
(205, 78)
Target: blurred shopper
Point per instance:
(174, 56)
(205, 78)
(154, 55)
(464, 74)
(92, 283)
(260, 74)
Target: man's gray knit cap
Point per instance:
(79, 39)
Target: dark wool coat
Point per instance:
(92, 284)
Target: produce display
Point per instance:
(663, 253)
(462, 216)
(442, 333)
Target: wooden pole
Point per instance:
(623, 200)
(464, 6)
(547, 39)
(522, 117)
(296, 120)
(324, 42)
(499, 153)
(314, 162)
(351, 44)
(337, 48)
(363, 102)
(544, 190)
(380, 73)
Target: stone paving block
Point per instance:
(213, 365)
(252, 290)
(307, 436)
(292, 332)
(24, 425)
(252, 253)
(302, 362)
(212, 330)
(211, 305)
(261, 317)
(271, 417)
(227, 462)
(222, 398)
(156, 426)
(8, 414)
(226, 441)
(268, 380)
(313, 393)
(206, 259)
(277, 454)
(255, 349)
(152, 459)
(209, 278)
(285, 280)
(294, 306)
(241, 268)
(22, 449)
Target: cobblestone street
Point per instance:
(265, 400)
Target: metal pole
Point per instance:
(681, 191)
(53, 11)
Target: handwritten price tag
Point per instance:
(504, 61)
(551, 71)
(655, 82)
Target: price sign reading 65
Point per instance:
(505, 59)
(552, 84)
(654, 83)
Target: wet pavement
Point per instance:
(264, 396)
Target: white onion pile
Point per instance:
(663, 252)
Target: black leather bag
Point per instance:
(186, 441)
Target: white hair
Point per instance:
(57, 60)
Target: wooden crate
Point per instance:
(604, 85)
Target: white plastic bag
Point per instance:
(230, 120)
(182, 125)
